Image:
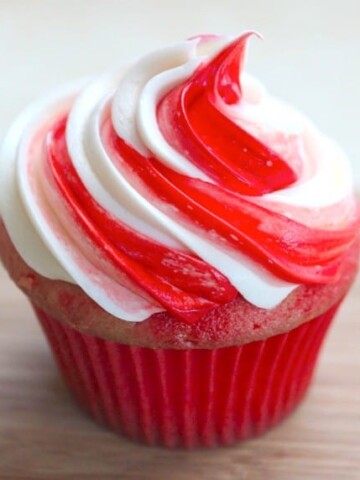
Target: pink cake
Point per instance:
(185, 240)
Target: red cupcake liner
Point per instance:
(188, 398)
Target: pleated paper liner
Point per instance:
(188, 398)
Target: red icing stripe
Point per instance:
(287, 248)
(191, 123)
(184, 284)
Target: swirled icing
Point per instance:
(176, 186)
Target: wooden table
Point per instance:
(43, 434)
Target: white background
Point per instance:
(310, 55)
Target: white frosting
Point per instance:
(47, 238)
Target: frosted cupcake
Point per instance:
(185, 240)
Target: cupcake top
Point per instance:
(178, 184)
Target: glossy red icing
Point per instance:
(181, 282)
(289, 249)
(191, 122)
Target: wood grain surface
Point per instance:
(43, 434)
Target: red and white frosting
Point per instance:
(176, 185)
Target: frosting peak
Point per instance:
(177, 185)
(191, 119)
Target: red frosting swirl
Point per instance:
(240, 167)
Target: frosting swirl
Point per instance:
(176, 186)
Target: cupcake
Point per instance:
(185, 240)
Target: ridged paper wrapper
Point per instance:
(188, 398)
